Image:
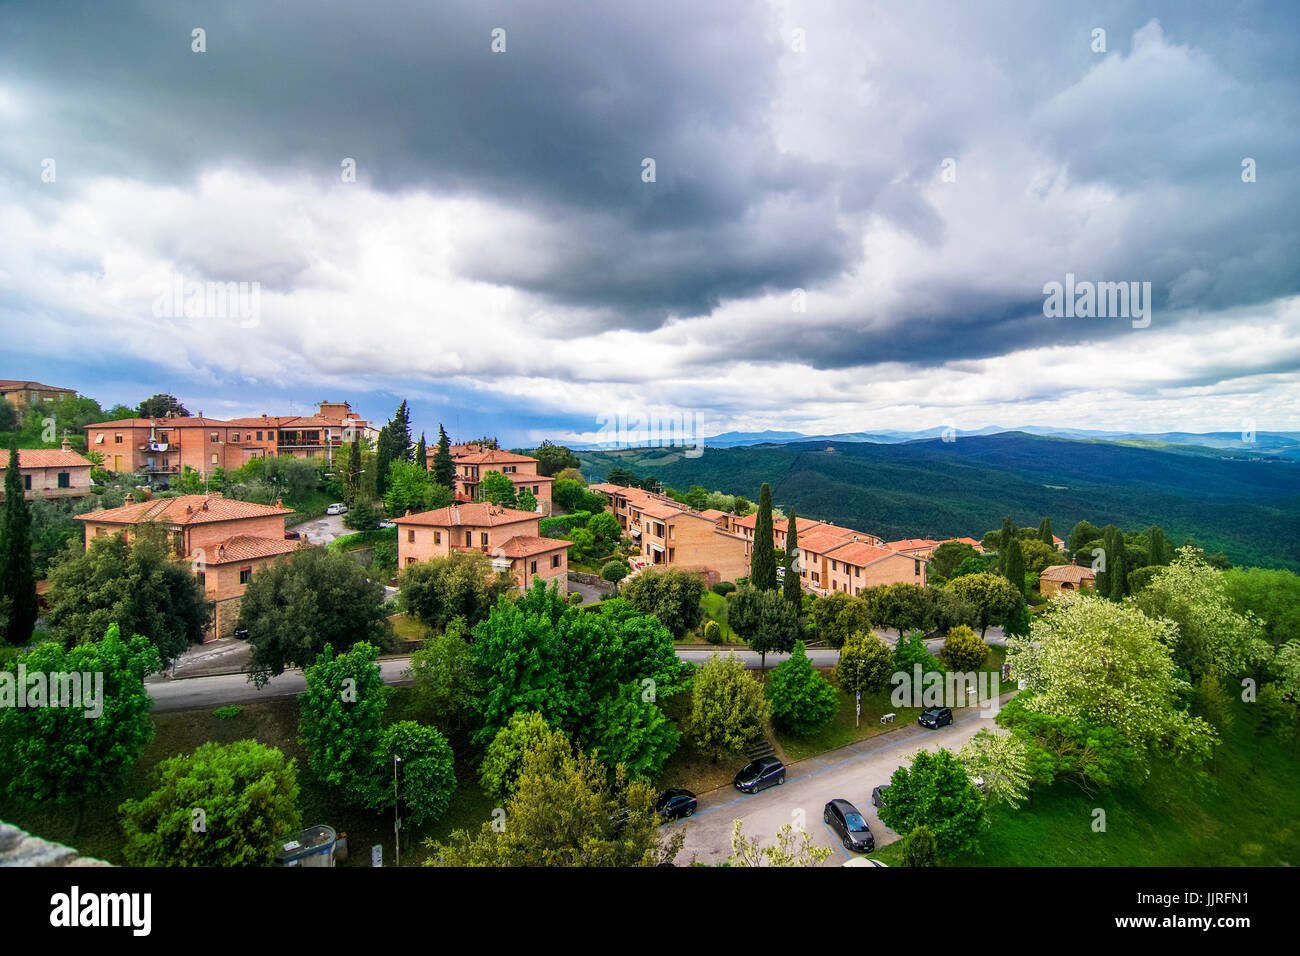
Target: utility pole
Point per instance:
(397, 820)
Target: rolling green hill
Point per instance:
(1248, 509)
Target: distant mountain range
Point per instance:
(1241, 498)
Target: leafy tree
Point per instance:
(991, 595)
(1287, 664)
(935, 792)
(1213, 703)
(460, 585)
(443, 673)
(945, 610)
(526, 500)
(801, 700)
(948, 556)
(412, 488)
(904, 607)
(970, 565)
(1109, 665)
(1273, 596)
(553, 459)
(606, 528)
(792, 848)
(1013, 566)
(911, 650)
(632, 732)
(55, 755)
(866, 663)
(421, 454)
(1160, 550)
(964, 650)
(444, 469)
(566, 812)
(762, 563)
(1068, 748)
(764, 619)
(1002, 762)
(17, 571)
(498, 489)
(135, 584)
(161, 406)
(426, 777)
(615, 571)
(1038, 556)
(1083, 533)
(920, 848)
(1210, 633)
(295, 607)
(728, 707)
(340, 716)
(362, 515)
(503, 761)
(673, 596)
(838, 616)
(697, 497)
(188, 482)
(569, 494)
(8, 416)
(247, 792)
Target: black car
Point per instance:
(240, 633)
(675, 804)
(935, 717)
(760, 774)
(878, 795)
(851, 827)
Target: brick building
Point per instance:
(50, 472)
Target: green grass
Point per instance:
(1246, 813)
(715, 609)
(308, 507)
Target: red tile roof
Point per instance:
(184, 510)
(245, 547)
(713, 514)
(523, 545)
(911, 544)
(46, 458)
(476, 514)
(860, 554)
(490, 457)
(1067, 572)
(10, 384)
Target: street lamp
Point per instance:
(397, 820)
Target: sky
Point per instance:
(539, 220)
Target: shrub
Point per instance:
(919, 849)
(226, 713)
(802, 701)
(964, 650)
(723, 588)
(575, 598)
(713, 632)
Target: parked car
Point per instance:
(676, 803)
(849, 825)
(388, 524)
(863, 861)
(241, 633)
(878, 795)
(935, 717)
(338, 508)
(760, 774)
(292, 535)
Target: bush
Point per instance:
(964, 650)
(728, 709)
(802, 701)
(362, 516)
(575, 597)
(227, 713)
(723, 588)
(713, 632)
(673, 596)
(561, 525)
(919, 849)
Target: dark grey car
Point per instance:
(760, 774)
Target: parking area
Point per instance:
(322, 530)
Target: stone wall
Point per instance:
(19, 848)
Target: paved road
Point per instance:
(323, 530)
(850, 773)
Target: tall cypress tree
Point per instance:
(352, 473)
(793, 592)
(1045, 533)
(17, 573)
(444, 469)
(762, 565)
(399, 433)
(1117, 587)
(421, 454)
(1014, 565)
(1111, 552)
(1159, 545)
(383, 458)
(1005, 537)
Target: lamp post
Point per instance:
(397, 820)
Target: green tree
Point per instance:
(793, 848)
(902, 606)
(339, 721)
(1007, 535)
(460, 585)
(1001, 761)
(762, 563)
(935, 792)
(383, 459)
(764, 619)
(1160, 550)
(606, 529)
(973, 564)
(412, 488)
(55, 755)
(838, 616)
(948, 556)
(865, 664)
(362, 515)
(911, 650)
(421, 454)
(1013, 566)
(17, 571)
(673, 596)
(631, 731)
(553, 459)
(248, 795)
(425, 771)
(1271, 595)
(801, 700)
(503, 760)
(1045, 533)
(526, 500)
(728, 707)
(135, 584)
(920, 848)
(615, 571)
(161, 406)
(992, 597)
(293, 608)
(443, 674)
(498, 489)
(1082, 534)
(352, 474)
(964, 650)
(1213, 703)
(444, 469)
(791, 587)
(1068, 748)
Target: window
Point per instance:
(259, 436)
(27, 482)
(245, 575)
(857, 572)
(555, 560)
(834, 566)
(117, 439)
(65, 480)
(99, 439)
(203, 581)
(535, 489)
(214, 438)
(917, 569)
(214, 459)
(234, 436)
(270, 436)
(437, 537)
(410, 536)
(483, 537)
(410, 561)
(469, 539)
(532, 567)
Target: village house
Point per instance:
(50, 472)
(914, 547)
(1065, 578)
(474, 463)
(21, 394)
(223, 540)
(970, 541)
(509, 536)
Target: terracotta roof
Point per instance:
(823, 542)
(245, 547)
(476, 514)
(605, 486)
(971, 541)
(521, 479)
(860, 554)
(523, 545)
(911, 544)
(713, 514)
(1067, 572)
(46, 458)
(491, 456)
(192, 421)
(184, 510)
(11, 384)
(657, 509)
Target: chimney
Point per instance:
(279, 502)
(408, 513)
(130, 498)
(189, 509)
(67, 445)
(205, 504)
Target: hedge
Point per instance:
(561, 525)
(350, 542)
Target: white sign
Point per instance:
(377, 855)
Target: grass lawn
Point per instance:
(308, 507)
(715, 609)
(274, 723)
(1247, 813)
(408, 628)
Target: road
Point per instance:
(849, 773)
(322, 530)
